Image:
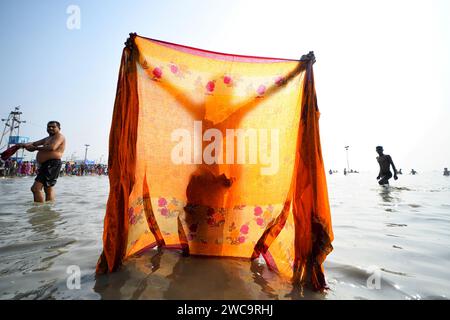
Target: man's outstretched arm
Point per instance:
(32, 145)
(52, 146)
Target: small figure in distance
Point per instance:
(385, 162)
(331, 172)
(413, 172)
(345, 172)
(446, 172)
(399, 171)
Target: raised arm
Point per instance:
(198, 112)
(251, 103)
(245, 107)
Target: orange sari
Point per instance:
(217, 155)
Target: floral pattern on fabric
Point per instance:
(169, 209)
(263, 217)
(134, 216)
(240, 85)
(207, 221)
(237, 235)
(179, 70)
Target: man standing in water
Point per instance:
(385, 162)
(50, 151)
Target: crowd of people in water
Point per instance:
(412, 172)
(14, 168)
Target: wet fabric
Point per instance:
(217, 155)
(48, 172)
(8, 153)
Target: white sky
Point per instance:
(382, 72)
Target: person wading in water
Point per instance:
(50, 151)
(385, 162)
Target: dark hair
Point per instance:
(379, 147)
(55, 122)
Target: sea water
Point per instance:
(390, 243)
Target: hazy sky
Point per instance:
(382, 72)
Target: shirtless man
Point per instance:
(50, 151)
(385, 162)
